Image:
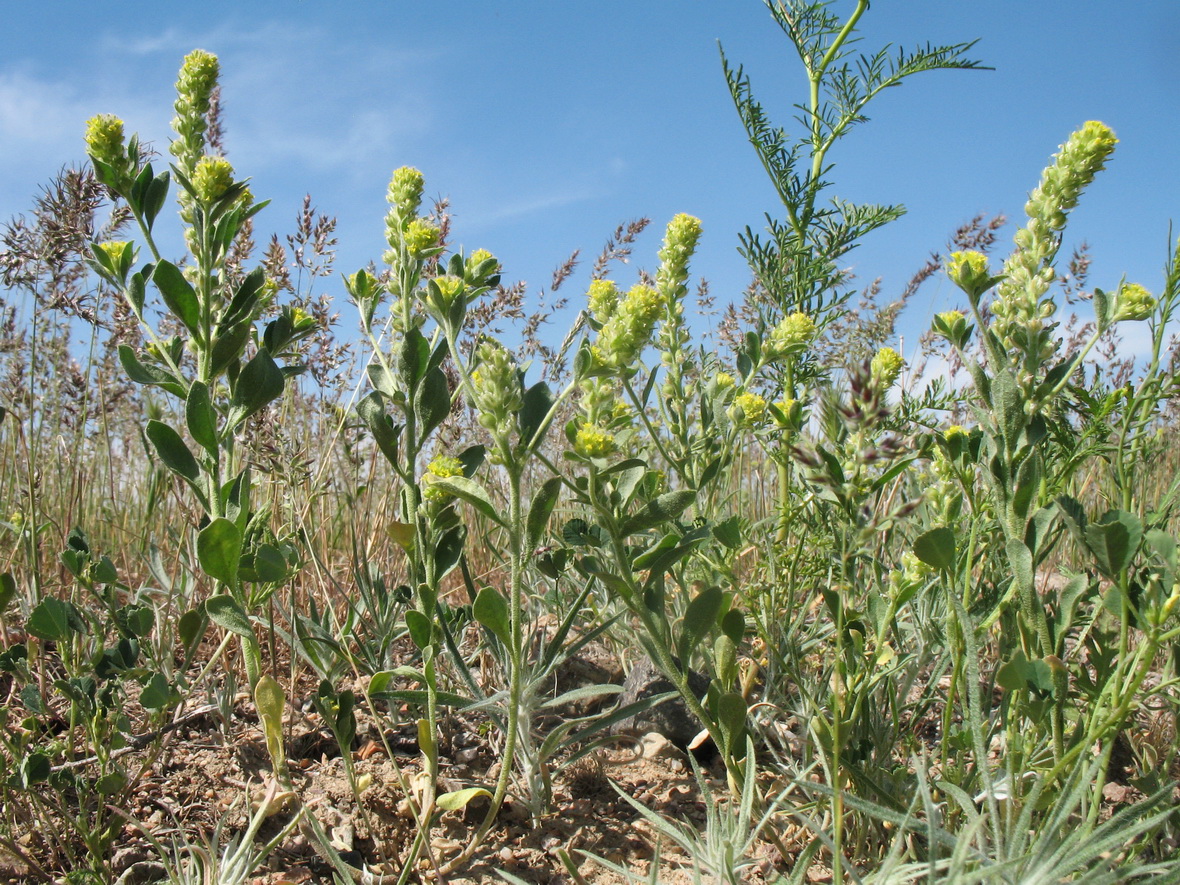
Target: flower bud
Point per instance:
(497, 388)
(194, 93)
(115, 258)
(481, 268)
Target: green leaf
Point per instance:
(420, 627)
(412, 358)
(448, 550)
(472, 492)
(179, 295)
(458, 799)
(201, 417)
(157, 694)
(434, 401)
(540, 510)
(138, 620)
(729, 532)
(403, 534)
(243, 306)
(30, 696)
(627, 475)
(191, 627)
(699, 619)
(1104, 309)
(666, 507)
(7, 590)
(219, 550)
(34, 768)
(55, 620)
(381, 379)
(1020, 673)
(936, 548)
(534, 409)
(656, 554)
(259, 383)
(371, 409)
(228, 346)
(1114, 541)
(111, 783)
(172, 451)
(224, 611)
(157, 194)
(270, 702)
(145, 374)
(733, 625)
(491, 610)
(269, 564)
(731, 718)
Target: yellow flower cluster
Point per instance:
(420, 237)
(104, 139)
(441, 467)
(602, 299)
(1133, 302)
(748, 408)
(593, 442)
(212, 177)
(791, 335)
(886, 367)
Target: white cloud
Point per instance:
(35, 113)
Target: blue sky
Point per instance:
(548, 123)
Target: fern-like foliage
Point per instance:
(795, 262)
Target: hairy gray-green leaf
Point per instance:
(172, 450)
(219, 550)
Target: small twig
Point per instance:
(139, 741)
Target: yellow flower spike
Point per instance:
(680, 242)
(194, 92)
(405, 190)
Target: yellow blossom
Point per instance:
(593, 442)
